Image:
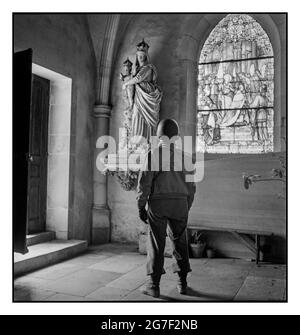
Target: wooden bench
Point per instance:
(240, 234)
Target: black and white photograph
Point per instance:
(149, 157)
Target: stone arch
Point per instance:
(102, 113)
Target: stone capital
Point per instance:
(102, 111)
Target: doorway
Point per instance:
(41, 150)
(58, 148)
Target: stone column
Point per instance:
(102, 111)
(101, 214)
(188, 99)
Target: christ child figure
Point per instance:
(128, 91)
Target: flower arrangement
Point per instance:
(127, 179)
(197, 237)
(197, 244)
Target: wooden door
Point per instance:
(37, 159)
(22, 69)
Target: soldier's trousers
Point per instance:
(158, 227)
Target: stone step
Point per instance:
(47, 253)
(46, 236)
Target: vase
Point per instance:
(197, 249)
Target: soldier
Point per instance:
(162, 185)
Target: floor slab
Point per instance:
(221, 288)
(31, 281)
(137, 295)
(56, 271)
(269, 271)
(131, 280)
(117, 272)
(22, 293)
(108, 293)
(82, 282)
(66, 297)
(119, 263)
(87, 259)
(261, 289)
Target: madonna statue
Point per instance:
(147, 97)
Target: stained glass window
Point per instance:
(236, 88)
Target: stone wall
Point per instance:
(72, 46)
(175, 43)
(62, 43)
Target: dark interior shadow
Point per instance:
(22, 293)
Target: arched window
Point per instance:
(236, 88)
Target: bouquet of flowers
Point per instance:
(127, 179)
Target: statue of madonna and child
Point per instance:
(142, 97)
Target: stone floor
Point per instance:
(116, 272)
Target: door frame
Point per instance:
(58, 162)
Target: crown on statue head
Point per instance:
(142, 46)
(127, 63)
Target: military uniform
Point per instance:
(163, 186)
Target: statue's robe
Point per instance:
(146, 105)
